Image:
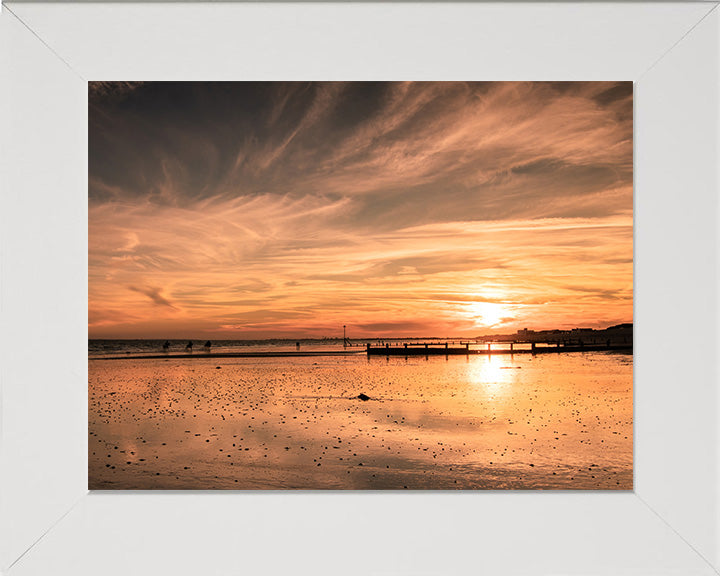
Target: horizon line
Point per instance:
(451, 337)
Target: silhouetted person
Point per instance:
(297, 345)
(189, 346)
(166, 345)
(207, 345)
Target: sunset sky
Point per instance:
(262, 210)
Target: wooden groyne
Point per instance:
(444, 349)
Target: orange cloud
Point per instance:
(272, 209)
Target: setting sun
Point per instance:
(488, 314)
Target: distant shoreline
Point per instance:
(395, 351)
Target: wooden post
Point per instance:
(532, 347)
(511, 346)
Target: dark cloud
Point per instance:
(393, 148)
(604, 294)
(542, 166)
(154, 294)
(111, 91)
(394, 327)
(621, 91)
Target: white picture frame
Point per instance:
(50, 524)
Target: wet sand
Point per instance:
(477, 422)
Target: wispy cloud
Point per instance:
(294, 208)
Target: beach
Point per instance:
(296, 422)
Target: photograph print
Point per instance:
(360, 285)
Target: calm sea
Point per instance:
(471, 422)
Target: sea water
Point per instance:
(551, 421)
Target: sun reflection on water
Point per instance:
(493, 374)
